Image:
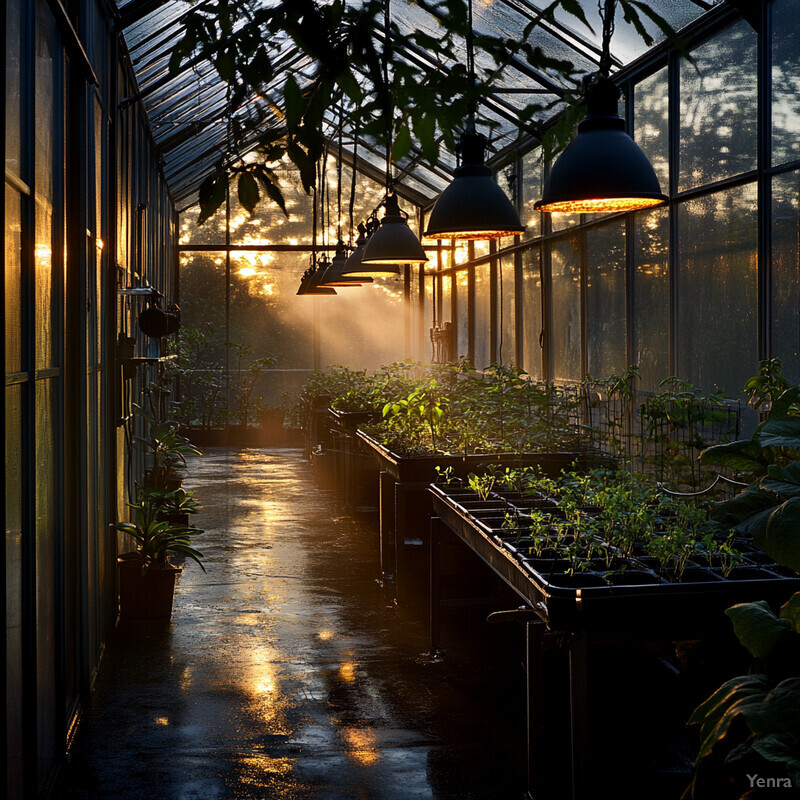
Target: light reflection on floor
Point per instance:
(285, 674)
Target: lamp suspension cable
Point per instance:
(393, 243)
(602, 170)
(472, 101)
(334, 272)
(339, 185)
(473, 206)
(606, 9)
(351, 204)
(388, 104)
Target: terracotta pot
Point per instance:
(148, 595)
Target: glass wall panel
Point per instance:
(422, 317)
(560, 222)
(13, 280)
(508, 180)
(651, 123)
(481, 248)
(461, 290)
(605, 299)
(202, 281)
(785, 80)
(45, 141)
(719, 108)
(483, 316)
(13, 19)
(785, 273)
(566, 322)
(445, 310)
(447, 299)
(531, 311)
(532, 168)
(506, 311)
(650, 346)
(47, 569)
(268, 318)
(717, 301)
(13, 587)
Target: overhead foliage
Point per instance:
(290, 64)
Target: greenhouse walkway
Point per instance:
(286, 673)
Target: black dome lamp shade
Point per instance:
(394, 242)
(603, 169)
(353, 266)
(473, 206)
(309, 283)
(333, 273)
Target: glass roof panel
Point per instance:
(188, 111)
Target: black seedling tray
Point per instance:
(600, 600)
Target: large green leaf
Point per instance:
(294, 104)
(780, 710)
(425, 129)
(401, 146)
(784, 481)
(211, 196)
(757, 627)
(248, 192)
(716, 715)
(782, 749)
(748, 511)
(790, 610)
(782, 536)
(745, 455)
(782, 427)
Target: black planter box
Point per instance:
(349, 421)
(655, 605)
(422, 469)
(405, 504)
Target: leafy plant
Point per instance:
(753, 719)
(421, 413)
(766, 387)
(481, 484)
(171, 501)
(445, 476)
(769, 509)
(166, 446)
(156, 539)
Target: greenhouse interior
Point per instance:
(358, 355)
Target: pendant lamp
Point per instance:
(309, 283)
(333, 272)
(603, 170)
(473, 206)
(353, 266)
(394, 242)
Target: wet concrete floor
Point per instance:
(287, 673)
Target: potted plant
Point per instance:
(165, 444)
(146, 574)
(176, 505)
